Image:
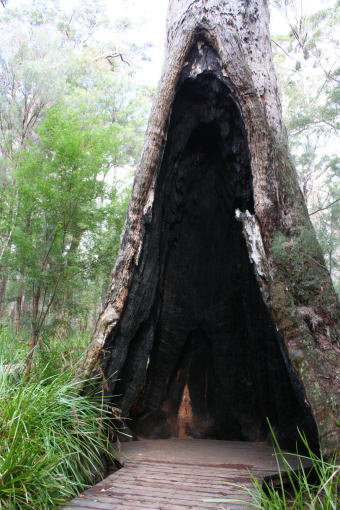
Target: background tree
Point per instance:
(306, 61)
(59, 183)
(64, 60)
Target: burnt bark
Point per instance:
(221, 312)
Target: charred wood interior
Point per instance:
(196, 350)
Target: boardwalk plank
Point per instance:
(211, 489)
(179, 475)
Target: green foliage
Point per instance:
(13, 347)
(308, 73)
(59, 350)
(53, 442)
(50, 52)
(325, 219)
(71, 114)
(63, 206)
(314, 485)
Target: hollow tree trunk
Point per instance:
(221, 311)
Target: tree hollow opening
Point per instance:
(206, 359)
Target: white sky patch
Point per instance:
(121, 176)
(149, 17)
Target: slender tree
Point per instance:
(220, 300)
(51, 56)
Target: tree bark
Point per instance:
(219, 62)
(3, 292)
(18, 308)
(35, 330)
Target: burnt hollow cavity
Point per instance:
(197, 351)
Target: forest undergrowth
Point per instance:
(54, 442)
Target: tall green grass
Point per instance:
(13, 347)
(53, 441)
(59, 348)
(313, 486)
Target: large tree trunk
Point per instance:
(221, 311)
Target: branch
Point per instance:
(111, 56)
(313, 123)
(43, 314)
(326, 207)
(284, 51)
(47, 253)
(327, 73)
(120, 55)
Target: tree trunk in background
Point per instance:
(3, 293)
(218, 236)
(18, 309)
(35, 330)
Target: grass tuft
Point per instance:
(315, 487)
(53, 441)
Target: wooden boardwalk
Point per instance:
(177, 474)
